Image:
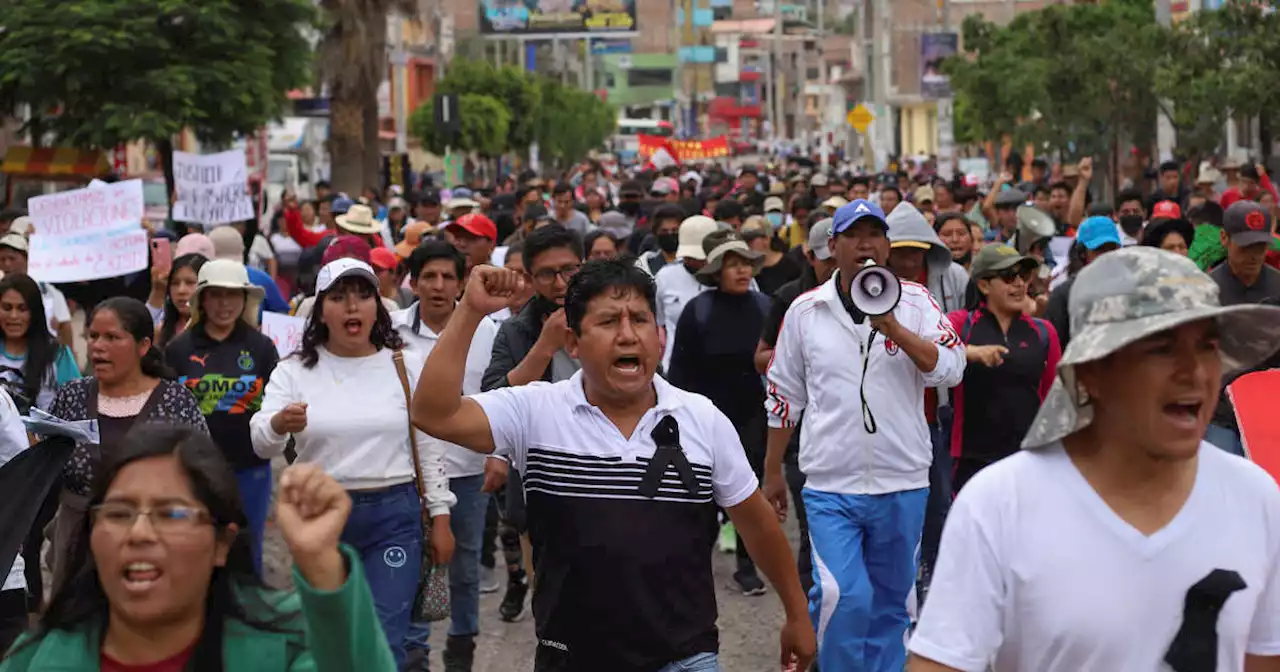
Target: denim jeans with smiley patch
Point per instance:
(385, 528)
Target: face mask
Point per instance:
(544, 306)
(1131, 224)
(775, 219)
(668, 242)
(629, 208)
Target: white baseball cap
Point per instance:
(344, 268)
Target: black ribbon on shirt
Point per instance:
(666, 436)
(1195, 647)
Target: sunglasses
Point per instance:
(1012, 273)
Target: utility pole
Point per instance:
(824, 148)
(775, 90)
(399, 90)
(946, 110)
(883, 125)
(1166, 136)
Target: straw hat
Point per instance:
(359, 219)
(229, 275)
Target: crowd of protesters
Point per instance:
(584, 384)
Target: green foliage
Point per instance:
(565, 121)
(515, 89)
(1054, 76)
(100, 72)
(1083, 77)
(485, 121)
(572, 122)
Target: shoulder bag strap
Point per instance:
(398, 358)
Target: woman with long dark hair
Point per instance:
(341, 398)
(162, 577)
(130, 385)
(32, 363)
(178, 289)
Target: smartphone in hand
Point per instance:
(161, 254)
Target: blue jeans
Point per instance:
(385, 528)
(466, 520)
(935, 511)
(1225, 438)
(865, 550)
(255, 496)
(703, 662)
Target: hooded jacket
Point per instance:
(947, 280)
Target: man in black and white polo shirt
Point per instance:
(623, 473)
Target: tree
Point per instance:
(353, 61)
(1053, 77)
(1191, 78)
(485, 123)
(571, 121)
(98, 73)
(515, 88)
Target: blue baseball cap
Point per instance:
(1097, 231)
(341, 205)
(858, 210)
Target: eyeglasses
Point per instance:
(170, 518)
(549, 275)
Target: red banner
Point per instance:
(1253, 396)
(689, 151)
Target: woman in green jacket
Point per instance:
(165, 581)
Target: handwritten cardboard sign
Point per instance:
(88, 234)
(211, 188)
(285, 331)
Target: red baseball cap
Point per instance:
(383, 258)
(1166, 210)
(478, 225)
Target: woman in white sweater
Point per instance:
(341, 399)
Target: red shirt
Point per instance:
(172, 664)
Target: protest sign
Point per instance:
(211, 188)
(88, 234)
(283, 330)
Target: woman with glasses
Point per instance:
(162, 577)
(341, 398)
(1012, 360)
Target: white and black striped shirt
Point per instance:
(624, 580)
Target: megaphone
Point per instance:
(875, 290)
(1034, 225)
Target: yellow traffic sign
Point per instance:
(860, 118)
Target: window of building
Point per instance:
(648, 77)
(609, 80)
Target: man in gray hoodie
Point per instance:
(917, 254)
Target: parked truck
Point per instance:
(297, 157)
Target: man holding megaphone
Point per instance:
(855, 355)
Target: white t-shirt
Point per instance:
(421, 340)
(260, 252)
(56, 310)
(288, 251)
(357, 422)
(13, 440)
(1036, 572)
